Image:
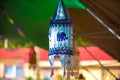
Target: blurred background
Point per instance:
(24, 45)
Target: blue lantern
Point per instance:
(60, 37)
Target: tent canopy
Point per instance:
(33, 16)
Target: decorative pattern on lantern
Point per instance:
(60, 37)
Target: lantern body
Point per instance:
(60, 40)
(60, 36)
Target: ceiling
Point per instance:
(90, 29)
(33, 16)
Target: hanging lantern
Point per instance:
(32, 58)
(73, 64)
(60, 37)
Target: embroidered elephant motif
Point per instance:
(61, 36)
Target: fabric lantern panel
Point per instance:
(60, 37)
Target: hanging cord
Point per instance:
(112, 12)
(98, 61)
(11, 21)
(95, 33)
(102, 13)
(104, 24)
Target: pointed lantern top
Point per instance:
(61, 15)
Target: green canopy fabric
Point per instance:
(33, 16)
